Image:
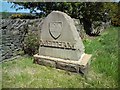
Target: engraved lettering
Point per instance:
(59, 44)
(46, 43)
(41, 43)
(56, 44)
(53, 43)
(64, 45)
(70, 46)
(49, 43)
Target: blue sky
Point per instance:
(6, 7)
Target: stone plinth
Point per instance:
(60, 44)
(70, 65)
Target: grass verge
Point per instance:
(22, 73)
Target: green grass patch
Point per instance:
(105, 52)
(22, 73)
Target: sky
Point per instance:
(6, 7)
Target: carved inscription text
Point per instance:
(56, 44)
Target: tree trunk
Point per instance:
(87, 26)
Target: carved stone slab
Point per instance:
(60, 44)
(59, 37)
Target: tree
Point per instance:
(87, 12)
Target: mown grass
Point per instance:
(22, 73)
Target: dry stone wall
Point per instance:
(13, 32)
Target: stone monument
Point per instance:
(60, 44)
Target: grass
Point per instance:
(22, 73)
(105, 52)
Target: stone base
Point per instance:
(79, 66)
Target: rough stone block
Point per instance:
(65, 66)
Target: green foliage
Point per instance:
(93, 11)
(5, 15)
(87, 12)
(31, 43)
(74, 9)
(112, 8)
(22, 16)
(116, 20)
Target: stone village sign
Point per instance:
(60, 44)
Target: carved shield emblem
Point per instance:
(55, 29)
